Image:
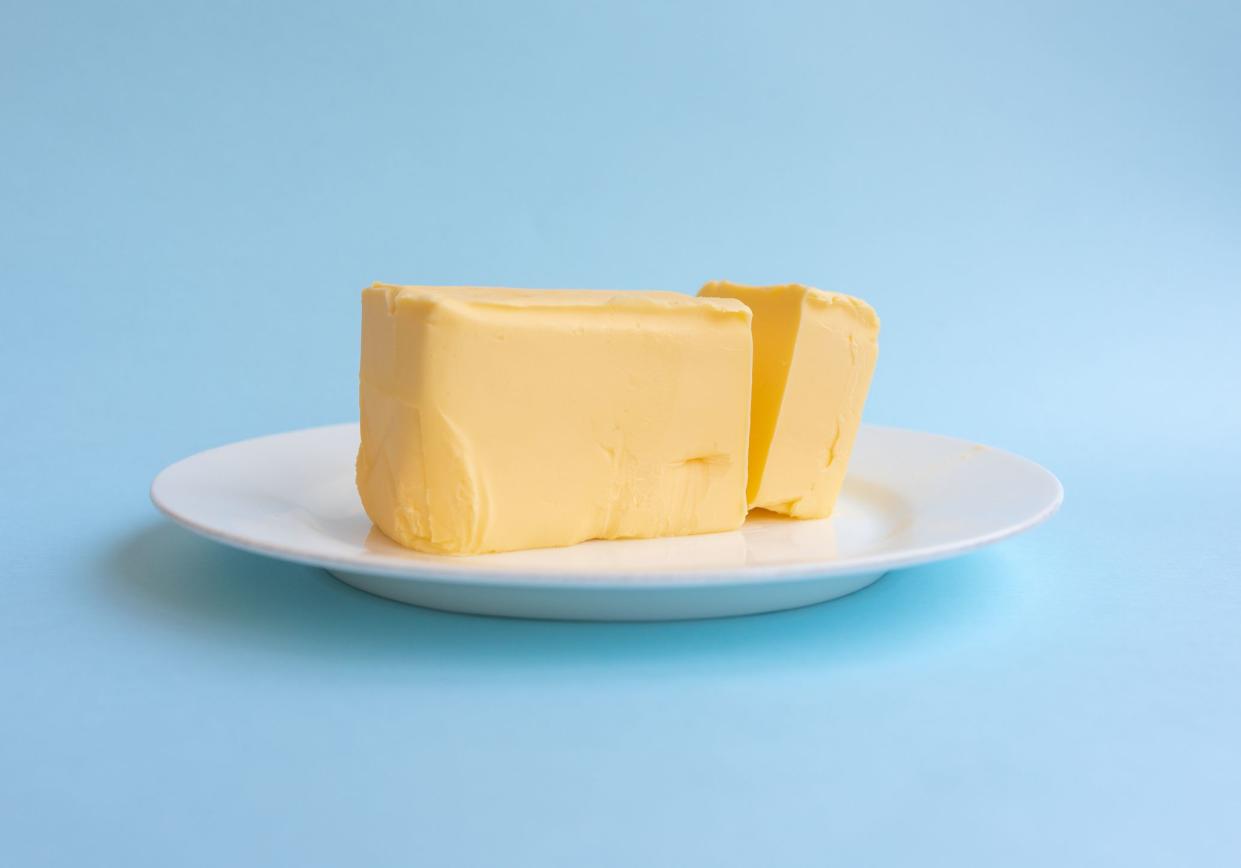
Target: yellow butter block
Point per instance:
(500, 419)
(814, 354)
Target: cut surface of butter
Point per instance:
(814, 354)
(500, 419)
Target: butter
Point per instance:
(814, 354)
(501, 419)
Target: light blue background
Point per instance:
(1042, 200)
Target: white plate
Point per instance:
(910, 498)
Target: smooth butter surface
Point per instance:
(499, 419)
(814, 354)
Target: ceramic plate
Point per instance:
(910, 498)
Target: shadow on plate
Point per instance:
(218, 594)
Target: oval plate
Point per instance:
(910, 498)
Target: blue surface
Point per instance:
(1044, 204)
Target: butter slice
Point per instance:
(500, 419)
(814, 354)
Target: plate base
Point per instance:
(910, 498)
(608, 602)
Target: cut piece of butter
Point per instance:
(501, 419)
(814, 353)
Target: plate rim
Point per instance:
(458, 569)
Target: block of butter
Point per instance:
(500, 419)
(814, 353)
